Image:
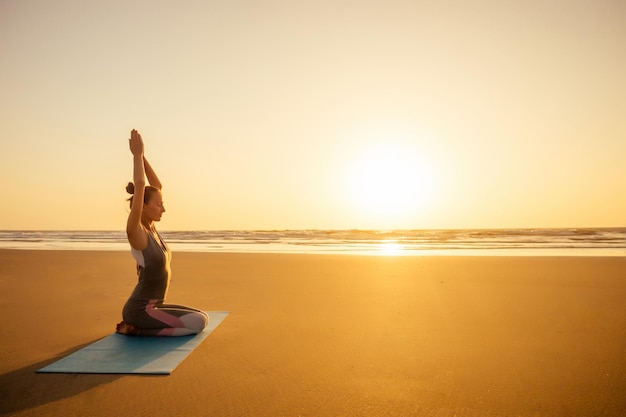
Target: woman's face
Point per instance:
(154, 209)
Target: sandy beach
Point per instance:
(324, 335)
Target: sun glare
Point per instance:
(390, 248)
(390, 183)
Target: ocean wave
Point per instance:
(612, 240)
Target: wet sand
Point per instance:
(328, 335)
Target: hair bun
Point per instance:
(130, 188)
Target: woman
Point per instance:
(145, 313)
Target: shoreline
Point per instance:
(453, 242)
(371, 252)
(326, 335)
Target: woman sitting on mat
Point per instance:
(145, 313)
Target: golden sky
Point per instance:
(324, 114)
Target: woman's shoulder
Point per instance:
(138, 238)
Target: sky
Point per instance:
(326, 114)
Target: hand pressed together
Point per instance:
(136, 143)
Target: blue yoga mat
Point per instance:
(119, 354)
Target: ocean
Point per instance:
(465, 242)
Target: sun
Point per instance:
(390, 183)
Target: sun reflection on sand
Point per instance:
(390, 248)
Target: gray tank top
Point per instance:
(154, 271)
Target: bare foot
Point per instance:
(125, 328)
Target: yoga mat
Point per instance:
(120, 354)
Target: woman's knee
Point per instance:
(195, 321)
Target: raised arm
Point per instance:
(153, 180)
(134, 230)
